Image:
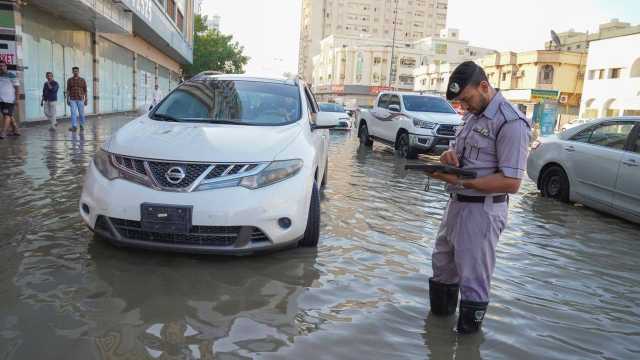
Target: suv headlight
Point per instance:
(423, 124)
(275, 172)
(102, 161)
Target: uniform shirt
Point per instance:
(76, 88)
(8, 82)
(50, 93)
(495, 141)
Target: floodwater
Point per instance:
(567, 282)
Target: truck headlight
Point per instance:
(275, 172)
(423, 124)
(102, 161)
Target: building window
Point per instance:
(592, 74)
(601, 74)
(180, 21)
(546, 74)
(377, 60)
(441, 49)
(408, 61)
(614, 73)
(171, 9)
(504, 76)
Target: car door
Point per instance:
(379, 114)
(320, 137)
(593, 158)
(627, 197)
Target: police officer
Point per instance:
(493, 142)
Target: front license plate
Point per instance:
(172, 219)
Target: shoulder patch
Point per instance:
(509, 112)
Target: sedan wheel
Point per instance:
(555, 184)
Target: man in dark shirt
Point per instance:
(49, 100)
(77, 98)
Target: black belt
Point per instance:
(479, 199)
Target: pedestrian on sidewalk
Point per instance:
(76, 98)
(8, 89)
(157, 96)
(50, 99)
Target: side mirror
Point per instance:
(324, 120)
(394, 108)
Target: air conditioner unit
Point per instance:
(564, 99)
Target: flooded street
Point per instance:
(566, 286)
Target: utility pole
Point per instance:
(393, 46)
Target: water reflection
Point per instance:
(190, 307)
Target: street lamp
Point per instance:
(393, 45)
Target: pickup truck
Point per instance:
(412, 123)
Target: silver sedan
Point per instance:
(596, 164)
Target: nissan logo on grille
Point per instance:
(175, 175)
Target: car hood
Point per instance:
(440, 118)
(162, 140)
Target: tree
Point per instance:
(214, 51)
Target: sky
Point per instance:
(269, 30)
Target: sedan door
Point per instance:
(627, 197)
(594, 157)
(320, 137)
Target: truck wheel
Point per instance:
(555, 184)
(312, 233)
(365, 139)
(404, 147)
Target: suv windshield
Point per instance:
(329, 107)
(239, 102)
(426, 104)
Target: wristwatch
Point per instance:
(460, 185)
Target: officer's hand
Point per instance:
(448, 178)
(449, 157)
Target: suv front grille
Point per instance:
(446, 130)
(199, 235)
(191, 171)
(155, 173)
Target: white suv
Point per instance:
(226, 164)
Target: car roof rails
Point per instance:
(207, 73)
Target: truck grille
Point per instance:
(199, 235)
(446, 130)
(155, 173)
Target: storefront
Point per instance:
(115, 70)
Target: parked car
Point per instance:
(596, 164)
(574, 123)
(339, 113)
(410, 123)
(227, 164)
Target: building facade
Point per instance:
(352, 70)
(572, 40)
(440, 56)
(213, 23)
(612, 85)
(123, 49)
(375, 19)
(533, 77)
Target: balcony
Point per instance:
(93, 15)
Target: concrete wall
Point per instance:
(138, 45)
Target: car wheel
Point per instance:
(404, 147)
(555, 184)
(312, 233)
(365, 139)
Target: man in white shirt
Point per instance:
(8, 88)
(157, 96)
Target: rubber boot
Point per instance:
(443, 298)
(471, 316)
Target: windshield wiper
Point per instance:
(166, 117)
(212, 121)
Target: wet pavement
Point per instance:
(567, 282)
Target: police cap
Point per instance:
(467, 73)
